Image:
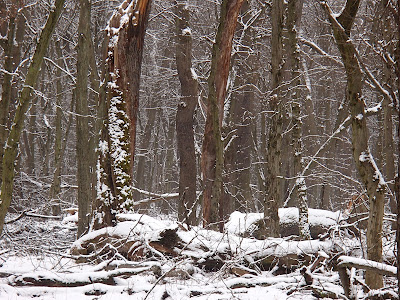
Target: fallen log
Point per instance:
(73, 280)
(368, 265)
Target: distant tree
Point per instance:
(212, 158)
(82, 118)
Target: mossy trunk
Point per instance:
(118, 139)
(10, 152)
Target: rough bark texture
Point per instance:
(117, 145)
(365, 164)
(294, 16)
(239, 123)
(82, 116)
(10, 152)
(7, 77)
(212, 152)
(272, 196)
(185, 117)
(397, 182)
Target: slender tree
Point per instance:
(295, 8)
(272, 183)
(212, 151)
(82, 116)
(10, 152)
(185, 116)
(366, 166)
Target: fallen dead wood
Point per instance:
(345, 262)
(368, 265)
(73, 280)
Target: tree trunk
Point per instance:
(238, 131)
(7, 80)
(212, 152)
(82, 116)
(367, 170)
(295, 8)
(185, 117)
(10, 152)
(272, 195)
(397, 182)
(117, 145)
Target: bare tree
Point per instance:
(272, 184)
(82, 116)
(185, 116)
(366, 166)
(10, 152)
(212, 152)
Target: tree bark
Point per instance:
(185, 116)
(82, 116)
(238, 131)
(397, 181)
(55, 187)
(212, 151)
(295, 8)
(367, 170)
(10, 152)
(5, 100)
(117, 146)
(272, 194)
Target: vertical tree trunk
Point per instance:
(82, 119)
(272, 196)
(10, 152)
(367, 170)
(117, 145)
(212, 152)
(239, 123)
(295, 8)
(5, 100)
(185, 116)
(397, 182)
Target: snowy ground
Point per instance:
(40, 249)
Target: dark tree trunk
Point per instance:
(185, 117)
(8, 47)
(212, 152)
(240, 121)
(82, 119)
(272, 188)
(365, 164)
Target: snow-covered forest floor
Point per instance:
(146, 257)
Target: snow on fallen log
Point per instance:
(51, 279)
(320, 221)
(138, 237)
(365, 264)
